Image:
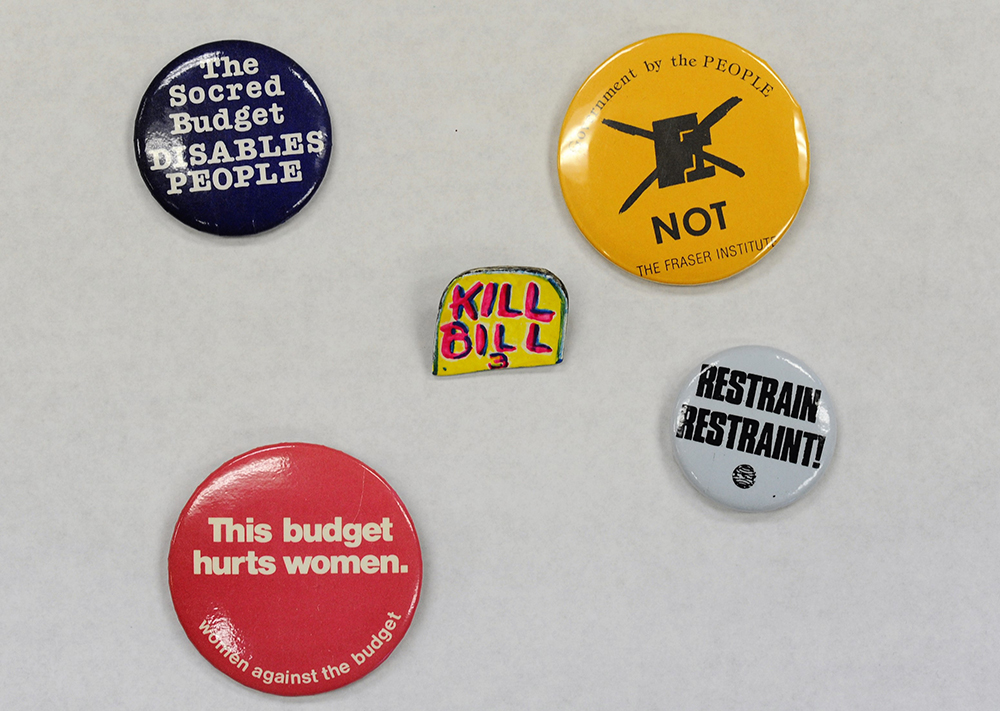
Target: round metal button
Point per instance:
(683, 159)
(753, 428)
(295, 569)
(232, 138)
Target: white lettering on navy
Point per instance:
(239, 160)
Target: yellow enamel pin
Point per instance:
(500, 317)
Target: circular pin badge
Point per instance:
(295, 569)
(754, 428)
(683, 159)
(232, 138)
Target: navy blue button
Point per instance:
(232, 138)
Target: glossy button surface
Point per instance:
(683, 159)
(500, 317)
(753, 428)
(295, 569)
(232, 138)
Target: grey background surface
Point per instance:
(568, 562)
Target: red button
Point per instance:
(295, 569)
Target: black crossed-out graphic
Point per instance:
(678, 142)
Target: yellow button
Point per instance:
(500, 317)
(683, 159)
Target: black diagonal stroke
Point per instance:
(717, 114)
(724, 164)
(638, 191)
(633, 130)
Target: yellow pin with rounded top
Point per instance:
(683, 159)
